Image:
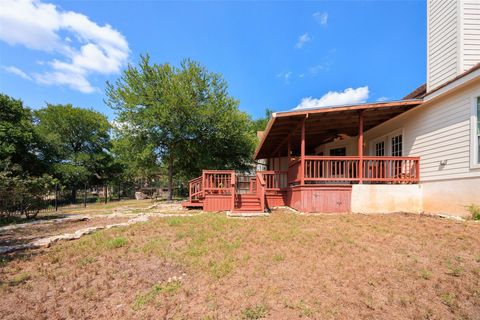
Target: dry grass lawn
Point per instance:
(286, 266)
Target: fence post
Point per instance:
(56, 197)
(85, 196)
(105, 191)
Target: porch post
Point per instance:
(289, 149)
(302, 153)
(360, 146)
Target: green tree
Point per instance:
(79, 140)
(260, 124)
(19, 143)
(180, 118)
(23, 166)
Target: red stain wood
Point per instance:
(316, 198)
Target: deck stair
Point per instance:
(194, 203)
(247, 203)
(224, 190)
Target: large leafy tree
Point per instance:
(19, 143)
(260, 124)
(23, 162)
(181, 118)
(79, 140)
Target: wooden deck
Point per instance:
(324, 184)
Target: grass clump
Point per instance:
(425, 274)
(278, 257)
(142, 299)
(19, 279)
(255, 312)
(474, 211)
(117, 242)
(454, 269)
(87, 260)
(448, 299)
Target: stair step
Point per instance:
(248, 209)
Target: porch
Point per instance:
(310, 182)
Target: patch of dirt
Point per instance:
(286, 266)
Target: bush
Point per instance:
(21, 193)
(474, 211)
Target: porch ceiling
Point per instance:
(324, 124)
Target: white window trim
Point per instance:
(474, 162)
(388, 142)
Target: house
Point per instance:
(419, 154)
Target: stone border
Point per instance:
(48, 241)
(66, 218)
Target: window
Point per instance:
(338, 152)
(396, 143)
(337, 166)
(380, 149)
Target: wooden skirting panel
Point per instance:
(217, 203)
(276, 198)
(315, 198)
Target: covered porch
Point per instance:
(300, 173)
(293, 143)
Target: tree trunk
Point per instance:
(74, 194)
(170, 179)
(105, 192)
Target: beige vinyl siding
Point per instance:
(442, 43)
(436, 131)
(471, 33)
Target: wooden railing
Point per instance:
(195, 188)
(331, 168)
(391, 169)
(374, 169)
(275, 180)
(218, 181)
(260, 189)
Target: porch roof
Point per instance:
(323, 124)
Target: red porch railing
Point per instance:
(260, 189)
(346, 169)
(391, 169)
(275, 180)
(195, 187)
(218, 181)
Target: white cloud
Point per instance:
(285, 76)
(302, 40)
(335, 98)
(88, 48)
(314, 70)
(18, 72)
(382, 99)
(321, 17)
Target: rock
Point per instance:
(141, 196)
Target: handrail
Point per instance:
(261, 190)
(379, 169)
(197, 178)
(275, 180)
(232, 182)
(195, 187)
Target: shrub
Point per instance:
(474, 211)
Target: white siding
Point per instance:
(442, 42)
(471, 34)
(436, 131)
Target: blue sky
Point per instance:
(273, 54)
